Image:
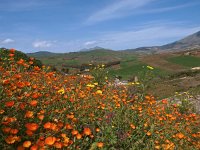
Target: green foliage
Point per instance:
(185, 105)
(100, 74)
(187, 61)
(17, 56)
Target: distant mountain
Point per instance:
(42, 54)
(91, 49)
(189, 42)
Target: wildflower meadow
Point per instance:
(43, 109)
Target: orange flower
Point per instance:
(33, 103)
(20, 147)
(29, 132)
(97, 130)
(41, 117)
(87, 131)
(10, 139)
(132, 126)
(12, 50)
(78, 136)
(9, 104)
(32, 126)
(68, 126)
(164, 101)
(27, 144)
(29, 114)
(100, 144)
(50, 140)
(20, 62)
(11, 55)
(6, 82)
(74, 132)
(22, 106)
(6, 129)
(180, 135)
(149, 133)
(2, 111)
(58, 145)
(34, 147)
(47, 125)
(14, 131)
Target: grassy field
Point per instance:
(187, 61)
(168, 67)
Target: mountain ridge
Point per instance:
(189, 42)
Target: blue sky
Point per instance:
(71, 25)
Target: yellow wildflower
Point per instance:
(137, 83)
(96, 83)
(149, 67)
(61, 91)
(99, 92)
(90, 85)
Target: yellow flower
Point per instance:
(137, 83)
(96, 83)
(149, 67)
(99, 92)
(61, 91)
(90, 85)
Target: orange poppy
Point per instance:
(33, 103)
(20, 147)
(10, 103)
(87, 131)
(6, 129)
(32, 126)
(29, 132)
(11, 55)
(27, 144)
(47, 125)
(132, 126)
(100, 144)
(50, 140)
(34, 147)
(97, 130)
(180, 135)
(12, 50)
(74, 132)
(78, 136)
(14, 131)
(68, 126)
(10, 139)
(41, 117)
(149, 133)
(29, 114)
(58, 145)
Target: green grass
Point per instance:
(187, 61)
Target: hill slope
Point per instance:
(189, 42)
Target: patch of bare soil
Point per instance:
(159, 61)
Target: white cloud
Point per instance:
(7, 41)
(43, 44)
(117, 9)
(89, 43)
(123, 8)
(153, 35)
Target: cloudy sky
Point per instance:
(71, 25)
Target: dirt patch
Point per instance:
(159, 61)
